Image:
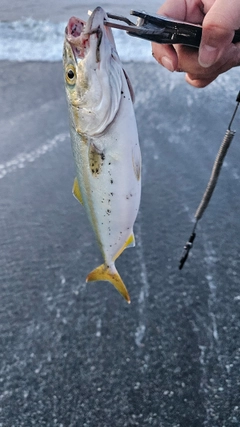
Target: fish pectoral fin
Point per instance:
(130, 243)
(129, 86)
(110, 274)
(76, 191)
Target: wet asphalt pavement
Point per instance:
(73, 354)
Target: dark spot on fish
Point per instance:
(129, 195)
(109, 163)
(122, 92)
(111, 181)
(108, 211)
(96, 159)
(111, 194)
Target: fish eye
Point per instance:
(70, 75)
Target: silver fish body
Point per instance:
(104, 139)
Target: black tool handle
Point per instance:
(163, 30)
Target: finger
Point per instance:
(201, 77)
(169, 9)
(218, 30)
(188, 59)
(198, 83)
(165, 55)
(188, 11)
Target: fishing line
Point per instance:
(228, 137)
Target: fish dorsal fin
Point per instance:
(76, 191)
(129, 86)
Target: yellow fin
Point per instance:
(76, 191)
(103, 272)
(130, 243)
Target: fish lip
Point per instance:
(89, 28)
(75, 37)
(78, 33)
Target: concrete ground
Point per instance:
(77, 355)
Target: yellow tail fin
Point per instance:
(103, 272)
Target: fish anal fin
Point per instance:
(110, 274)
(130, 243)
(76, 191)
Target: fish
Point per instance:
(104, 139)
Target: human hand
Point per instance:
(216, 54)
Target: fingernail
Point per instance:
(167, 63)
(207, 55)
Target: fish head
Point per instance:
(93, 73)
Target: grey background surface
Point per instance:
(73, 354)
(77, 355)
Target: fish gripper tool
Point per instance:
(160, 29)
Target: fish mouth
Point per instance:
(79, 33)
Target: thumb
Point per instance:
(218, 30)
